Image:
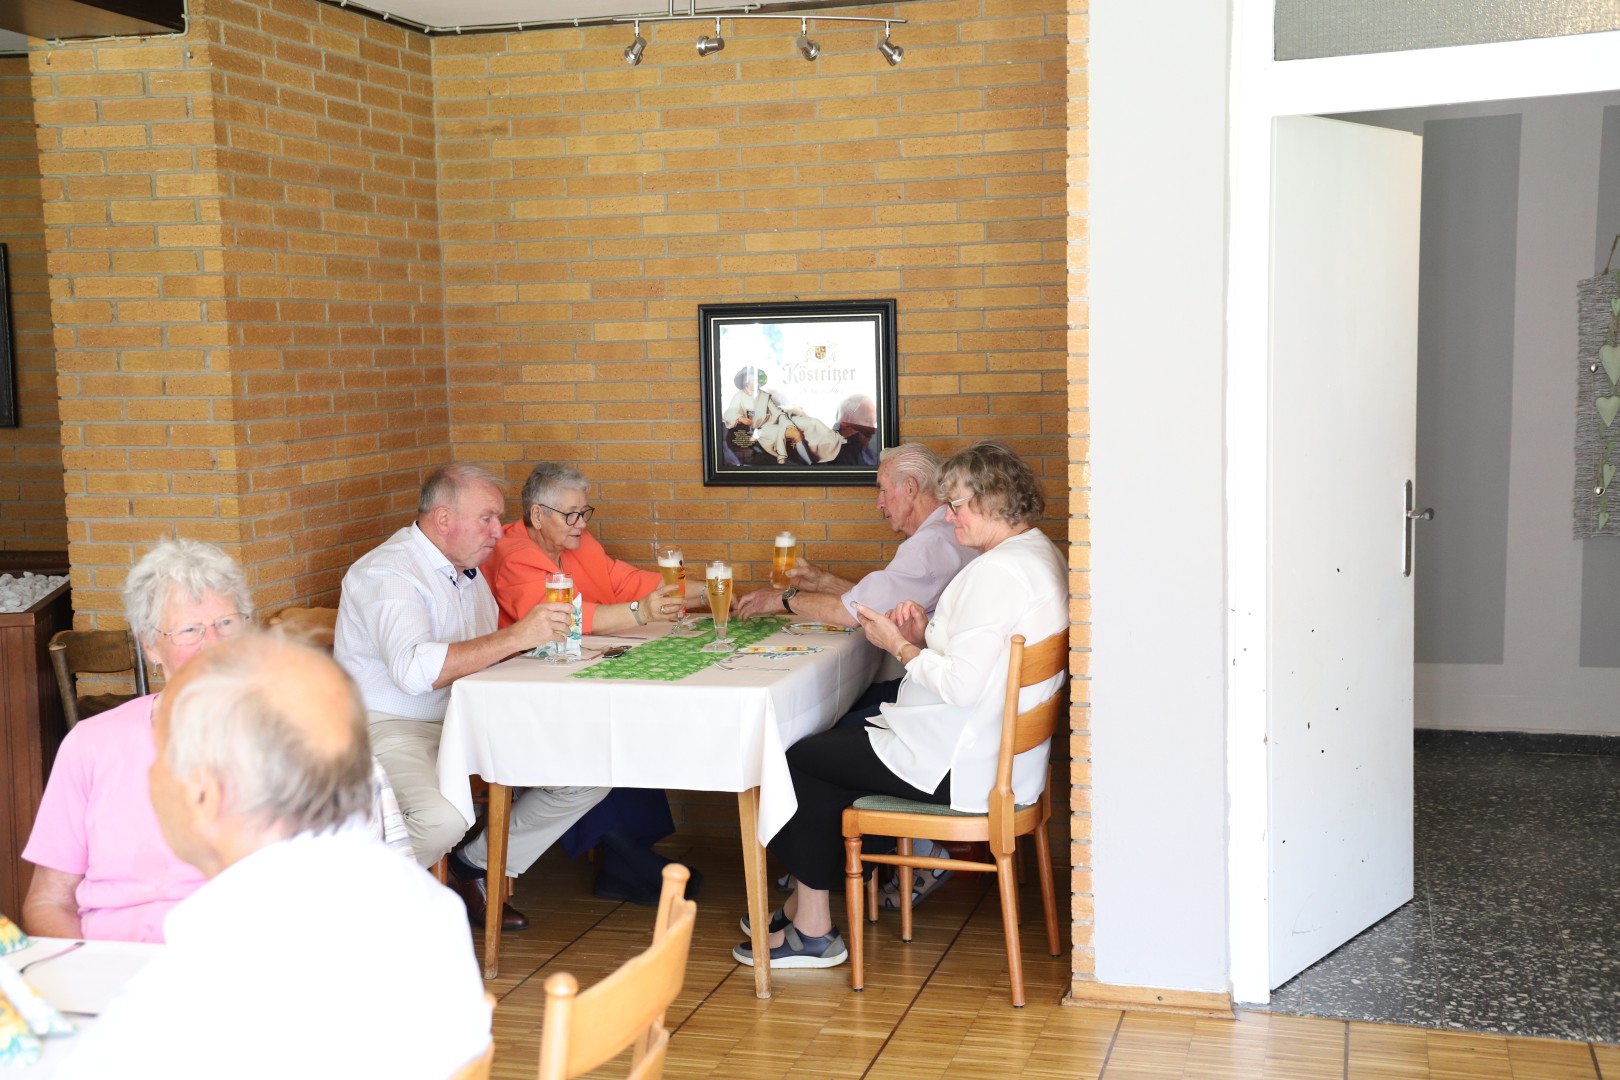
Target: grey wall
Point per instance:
(1519, 623)
(1308, 28)
(1465, 384)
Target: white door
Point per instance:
(1343, 369)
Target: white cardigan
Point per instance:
(948, 716)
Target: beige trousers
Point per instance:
(409, 752)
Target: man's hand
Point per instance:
(812, 578)
(757, 603)
(543, 623)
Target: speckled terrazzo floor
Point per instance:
(1515, 925)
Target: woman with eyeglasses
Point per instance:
(614, 596)
(102, 869)
(552, 538)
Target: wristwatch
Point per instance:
(635, 613)
(787, 599)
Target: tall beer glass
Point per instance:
(672, 565)
(782, 557)
(559, 590)
(717, 581)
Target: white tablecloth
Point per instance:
(79, 983)
(525, 723)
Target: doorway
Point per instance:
(1515, 891)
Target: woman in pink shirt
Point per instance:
(101, 866)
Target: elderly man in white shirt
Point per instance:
(312, 949)
(415, 616)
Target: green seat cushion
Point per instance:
(894, 805)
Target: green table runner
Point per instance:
(671, 658)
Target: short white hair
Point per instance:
(228, 721)
(445, 485)
(912, 461)
(549, 480)
(185, 567)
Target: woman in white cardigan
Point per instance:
(938, 742)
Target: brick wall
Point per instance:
(589, 207)
(32, 515)
(244, 281)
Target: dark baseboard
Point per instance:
(1522, 742)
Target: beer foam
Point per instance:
(785, 540)
(717, 570)
(669, 560)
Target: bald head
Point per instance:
(276, 727)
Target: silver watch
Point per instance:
(635, 613)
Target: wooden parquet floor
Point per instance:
(937, 1008)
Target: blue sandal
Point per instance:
(798, 951)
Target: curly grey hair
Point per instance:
(230, 722)
(997, 480)
(549, 480)
(188, 568)
(444, 485)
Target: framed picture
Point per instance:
(797, 393)
(8, 373)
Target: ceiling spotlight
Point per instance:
(632, 51)
(707, 45)
(891, 52)
(807, 48)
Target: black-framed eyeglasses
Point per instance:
(225, 626)
(570, 517)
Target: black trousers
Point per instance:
(830, 771)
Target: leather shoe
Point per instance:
(474, 893)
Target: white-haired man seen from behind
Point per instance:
(312, 950)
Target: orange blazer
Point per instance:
(517, 570)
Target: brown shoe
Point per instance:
(474, 893)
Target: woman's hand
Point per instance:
(880, 629)
(663, 604)
(912, 622)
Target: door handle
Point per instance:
(1408, 523)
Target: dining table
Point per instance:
(659, 707)
(79, 978)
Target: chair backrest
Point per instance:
(478, 1068)
(583, 1030)
(1020, 731)
(97, 652)
(315, 625)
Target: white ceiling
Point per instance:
(467, 14)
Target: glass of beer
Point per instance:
(782, 558)
(717, 581)
(672, 566)
(559, 590)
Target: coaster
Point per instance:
(719, 647)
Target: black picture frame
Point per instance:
(802, 422)
(8, 363)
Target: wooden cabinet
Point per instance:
(31, 725)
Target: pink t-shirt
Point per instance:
(96, 819)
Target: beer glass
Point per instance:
(672, 565)
(782, 560)
(717, 581)
(559, 590)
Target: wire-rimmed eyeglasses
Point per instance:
(225, 626)
(570, 517)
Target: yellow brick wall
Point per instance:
(243, 243)
(589, 207)
(32, 515)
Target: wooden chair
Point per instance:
(478, 1068)
(1000, 828)
(583, 1030)
(315, 625)
(100, 652)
